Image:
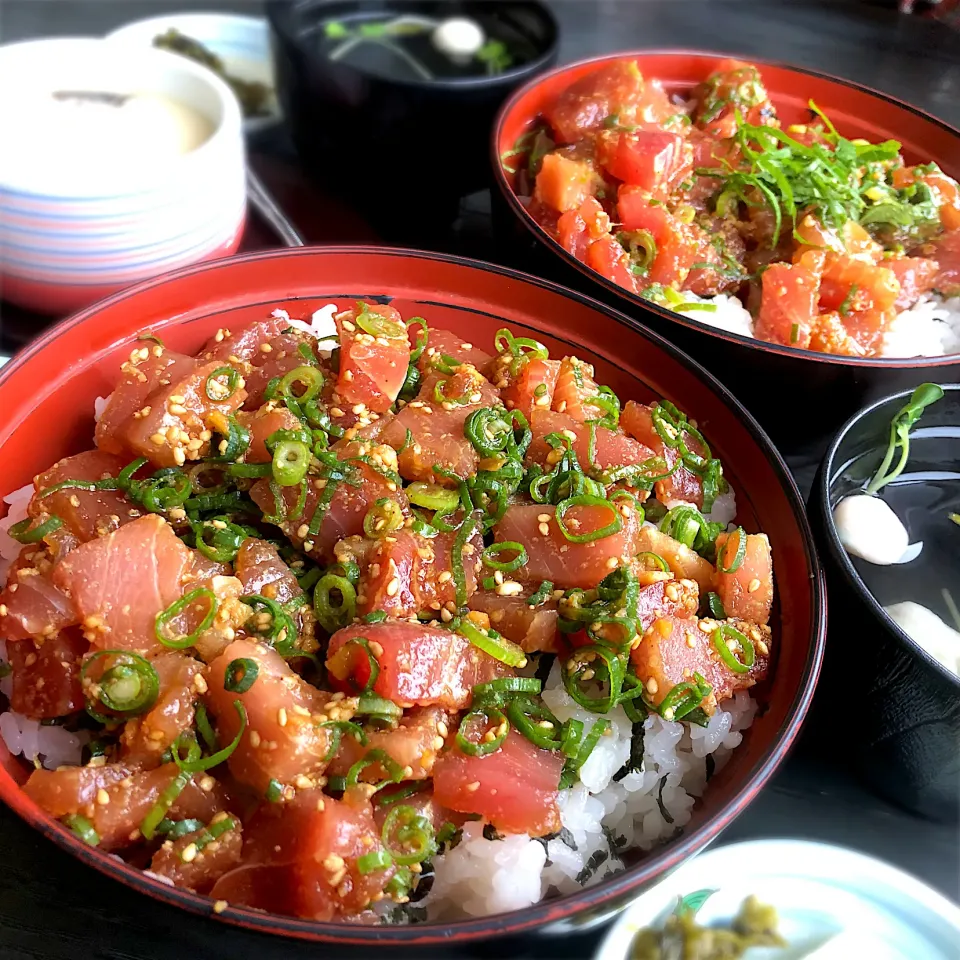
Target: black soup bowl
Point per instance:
(405, 147)
(902, 706)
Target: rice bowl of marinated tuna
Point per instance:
(436, 630)
(689, 201)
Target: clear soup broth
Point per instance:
(363, 41)
(923, 497)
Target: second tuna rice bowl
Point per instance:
(704, 199)
(347, 618)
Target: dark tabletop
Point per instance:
(52, 908)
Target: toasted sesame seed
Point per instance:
(103, 798)
(762, 647)
(544, 529)
(207, 784)
(254, 738)
(652, 685)
(612, 563)
(393, 587)
(282, 717)
(220, 905)
(442, 729)
(473, 787)
(189, 853)
(753, 586)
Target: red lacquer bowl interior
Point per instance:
(855, 110)
(47, 396)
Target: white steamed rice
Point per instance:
(930, 328)
(601, 817)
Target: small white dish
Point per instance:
(242, 43)
(83, 215)
(828, 899)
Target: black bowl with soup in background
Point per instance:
(885, 703)
(405, 141)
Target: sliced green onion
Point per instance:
(191, 765)
(274, 791)
(291, 459)
(164, 802)
(738, 557)
(534, 720)
(82, 828)
(332, 616)
(205, 728)
(721, 637)
(407, 836)
(543, 594)
(383, 518)
(571, 736)
(573, 765)
(492, 643)
(128, 687)
(489, 430)
(482, 731)
(222, 384)
(337, 728)
(363, 645)
(497, 690)
(22, 533)
(466, 530)
(432, 496)
(647, 557)
(219, 539)
(393, 769)
(240, 675)
(422, 337)
(214, 831)
(175, 829)
(491, 553)
(379, 326)
(178, 607)
(684, 698)
(373, 862)
(310, 378)
(378, 707)
(715, 605)
(596, 664)
(586, 500)
(281, 632)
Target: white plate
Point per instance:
(243, 43)
(847, 904)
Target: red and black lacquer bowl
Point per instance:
(47, 396)
(800, 396)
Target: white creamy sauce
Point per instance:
(926, 629)
(869, 529)
(142, 128)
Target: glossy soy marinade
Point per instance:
(824, 239)
(302, 587)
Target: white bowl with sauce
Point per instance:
(832, 903)
(242, 43)
(119, 164)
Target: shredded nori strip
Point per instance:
(597, 859)
(634, 763)
(664, 812)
